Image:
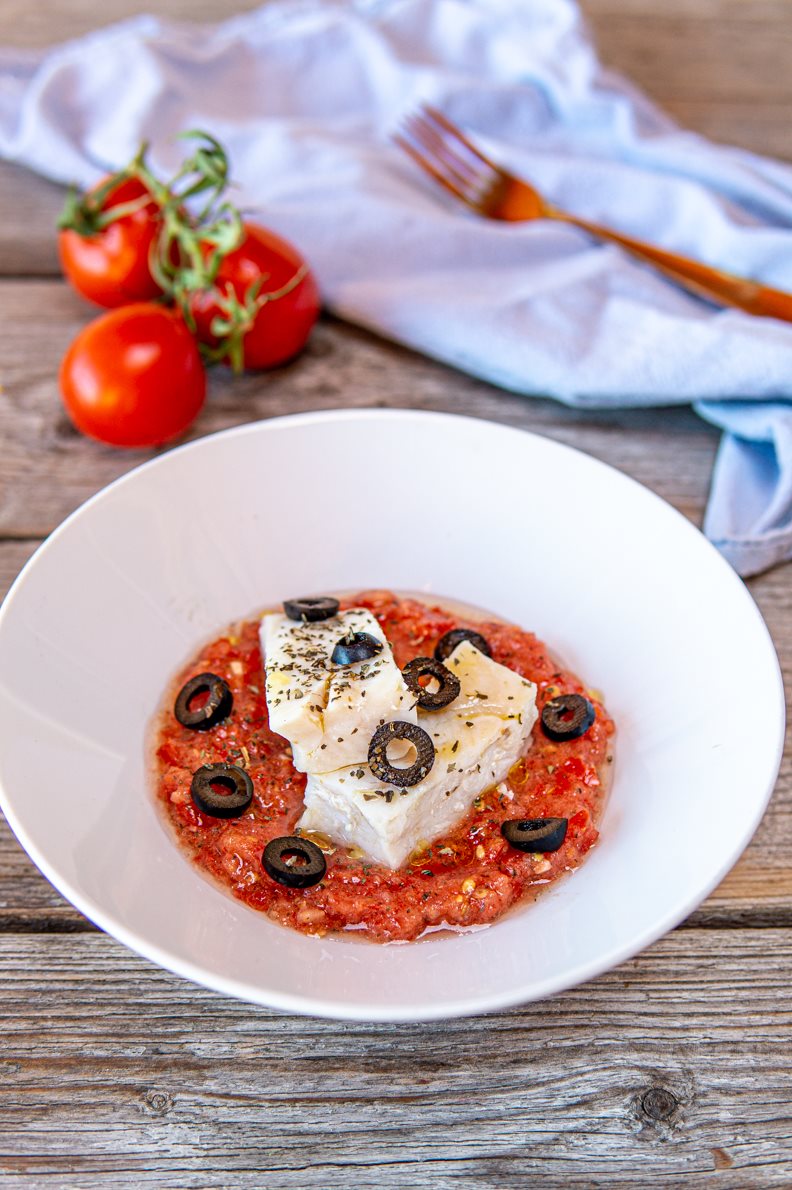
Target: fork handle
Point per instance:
(715, 284)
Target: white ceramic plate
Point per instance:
(620, 585)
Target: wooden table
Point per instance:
(674, 1069)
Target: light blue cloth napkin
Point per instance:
(306, 94)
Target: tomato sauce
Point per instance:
(467, 878)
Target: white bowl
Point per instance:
(620, 585)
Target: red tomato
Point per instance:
(281, 326)
(111, 266)
(133, 377)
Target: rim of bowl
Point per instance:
(474, 1005)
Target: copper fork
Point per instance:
(452, 159)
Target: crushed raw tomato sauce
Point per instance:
(469, 877)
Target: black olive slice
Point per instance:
(355, 646)
(446, 644)
(216, 707)
(429, 667)
(236, 786)
(567, 717)
(320, 607)
(309, 870)
(382, 768)
(535, 834)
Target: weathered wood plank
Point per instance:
(676, 1064)
(32, 26)
(718, 67)
(13, 556)
(29, 210)
(672, 1070)
(47, 469)
(714, 51)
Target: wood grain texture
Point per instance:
(29, 210)
(47, 469)
(34, 26)
(622, 1082)
(691, 49)
(13, 556)
(673, 1070)
(719, 67)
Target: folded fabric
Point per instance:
(306, 94)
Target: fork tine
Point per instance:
(431, 168)
(458, 136)
(436, 144)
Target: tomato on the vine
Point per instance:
(133, 377)
(107, 258)
(262, 305)
(227, 290)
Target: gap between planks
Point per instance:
(658, 1073)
